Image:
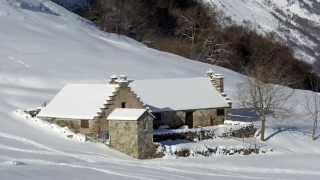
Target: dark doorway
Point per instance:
(220, 112)
(212, 121)
(157, 120)
(123, 105)
(189, 119)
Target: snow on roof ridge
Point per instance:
(126, 114)
(175, 78)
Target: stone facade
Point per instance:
(197, 118)
(134, 138)
(209, 117)
(124, 97)
(217, 80)
(73, 124)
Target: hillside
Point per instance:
(43, 46)
(206, 32)
(297, 22)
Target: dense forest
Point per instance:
(200, 32)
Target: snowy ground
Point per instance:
(43, 46)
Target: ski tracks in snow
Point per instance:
(133, 169)
(46, 149)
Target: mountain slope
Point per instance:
(297, 22)
(43, 46)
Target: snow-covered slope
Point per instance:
(296, 21)
(43, 46)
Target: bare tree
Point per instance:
(195, 25)
(214, 52)
(260, 94)
(188, 26)
(313, 106)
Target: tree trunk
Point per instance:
(315, 126)
(263, 127)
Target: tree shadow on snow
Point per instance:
(244, 115)
(317, 137)
(287, 129)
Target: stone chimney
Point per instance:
(229, 101)
(217, 80)
(113, 79)
(121, 80)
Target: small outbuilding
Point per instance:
(131, 132)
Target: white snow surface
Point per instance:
(126, 114)
(79, 101)
(45, 47)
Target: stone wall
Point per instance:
(201, 118)
(145, 138)
(207, 117)
(173, 119)
(134, 138)
(73, 124)
(217, 80)
(100, 124)
(124, 137)
(123, 94)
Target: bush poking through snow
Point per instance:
(216, 151)
(197, 134)
(33, 112)
(183, 153)
(17, 163)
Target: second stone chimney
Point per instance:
(113, 79)
(217, 80)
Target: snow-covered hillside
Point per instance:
(43, 46)
(296, 21)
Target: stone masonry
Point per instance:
(134, 138)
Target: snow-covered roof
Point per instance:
(126, 114)
(83, 101)
(178, 94)
(78, 101)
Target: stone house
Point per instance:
(195, 102)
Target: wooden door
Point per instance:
(189, 119)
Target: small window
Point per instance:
(220, 112)
(84, 124)
(145, 124)
(123, 105)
